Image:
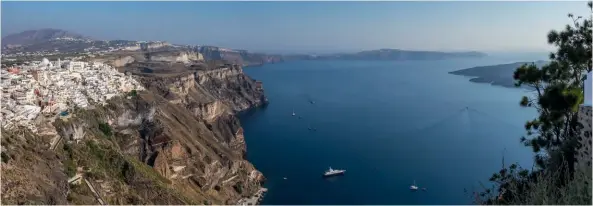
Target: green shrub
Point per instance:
(5, 157)
(238, 187)
(68, 150)
(133, 93)
(70, 167)
(105, 128)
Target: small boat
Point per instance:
(414, 187)
(293, 112)
(285, 178)
(312, 102)
(332, 172)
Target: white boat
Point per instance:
(332, 172)
(413, 186)
(293, 112)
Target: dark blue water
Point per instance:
(388, 124)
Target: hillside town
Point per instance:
(53, 88)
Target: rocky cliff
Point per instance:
(212, 95)
(178, 142)
(240, 57)
(151, 45)
(180, 56)
(121, 59)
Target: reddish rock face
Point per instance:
(161, 165)
(177, 151)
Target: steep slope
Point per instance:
(176, 143)
(31, 174)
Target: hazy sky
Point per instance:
(306, 26)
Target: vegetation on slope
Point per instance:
(31, 174)
(100, 161)
(553, 136)
(35, 174)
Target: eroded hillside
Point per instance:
(178, 142)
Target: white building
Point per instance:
(45, 63)
(76, 65)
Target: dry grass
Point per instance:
(577, 191)
(544, 187)
(31, 174)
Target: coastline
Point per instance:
(255, 199)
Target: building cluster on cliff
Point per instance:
(52, 88)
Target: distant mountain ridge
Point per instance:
(64, 41)
(57, 40)
(39, 36)
(500, 74)
(398, 55)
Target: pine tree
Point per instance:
(557, 94)
(558, 89)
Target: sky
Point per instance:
(307, 26)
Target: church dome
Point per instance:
(44, 61)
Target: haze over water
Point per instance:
(387, 124)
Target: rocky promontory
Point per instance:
(500, 74)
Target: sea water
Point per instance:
(388, 124)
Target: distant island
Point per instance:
(500, 74)
(389, 55)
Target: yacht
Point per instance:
(413, 187)
(332, 172)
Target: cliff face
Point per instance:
(185, 57)
(151, 45)
(240, 57)
(182, 56)
(170, 55)
(213, 96)
(178, 142)
(224, 86)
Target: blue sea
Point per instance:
(389, 124)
